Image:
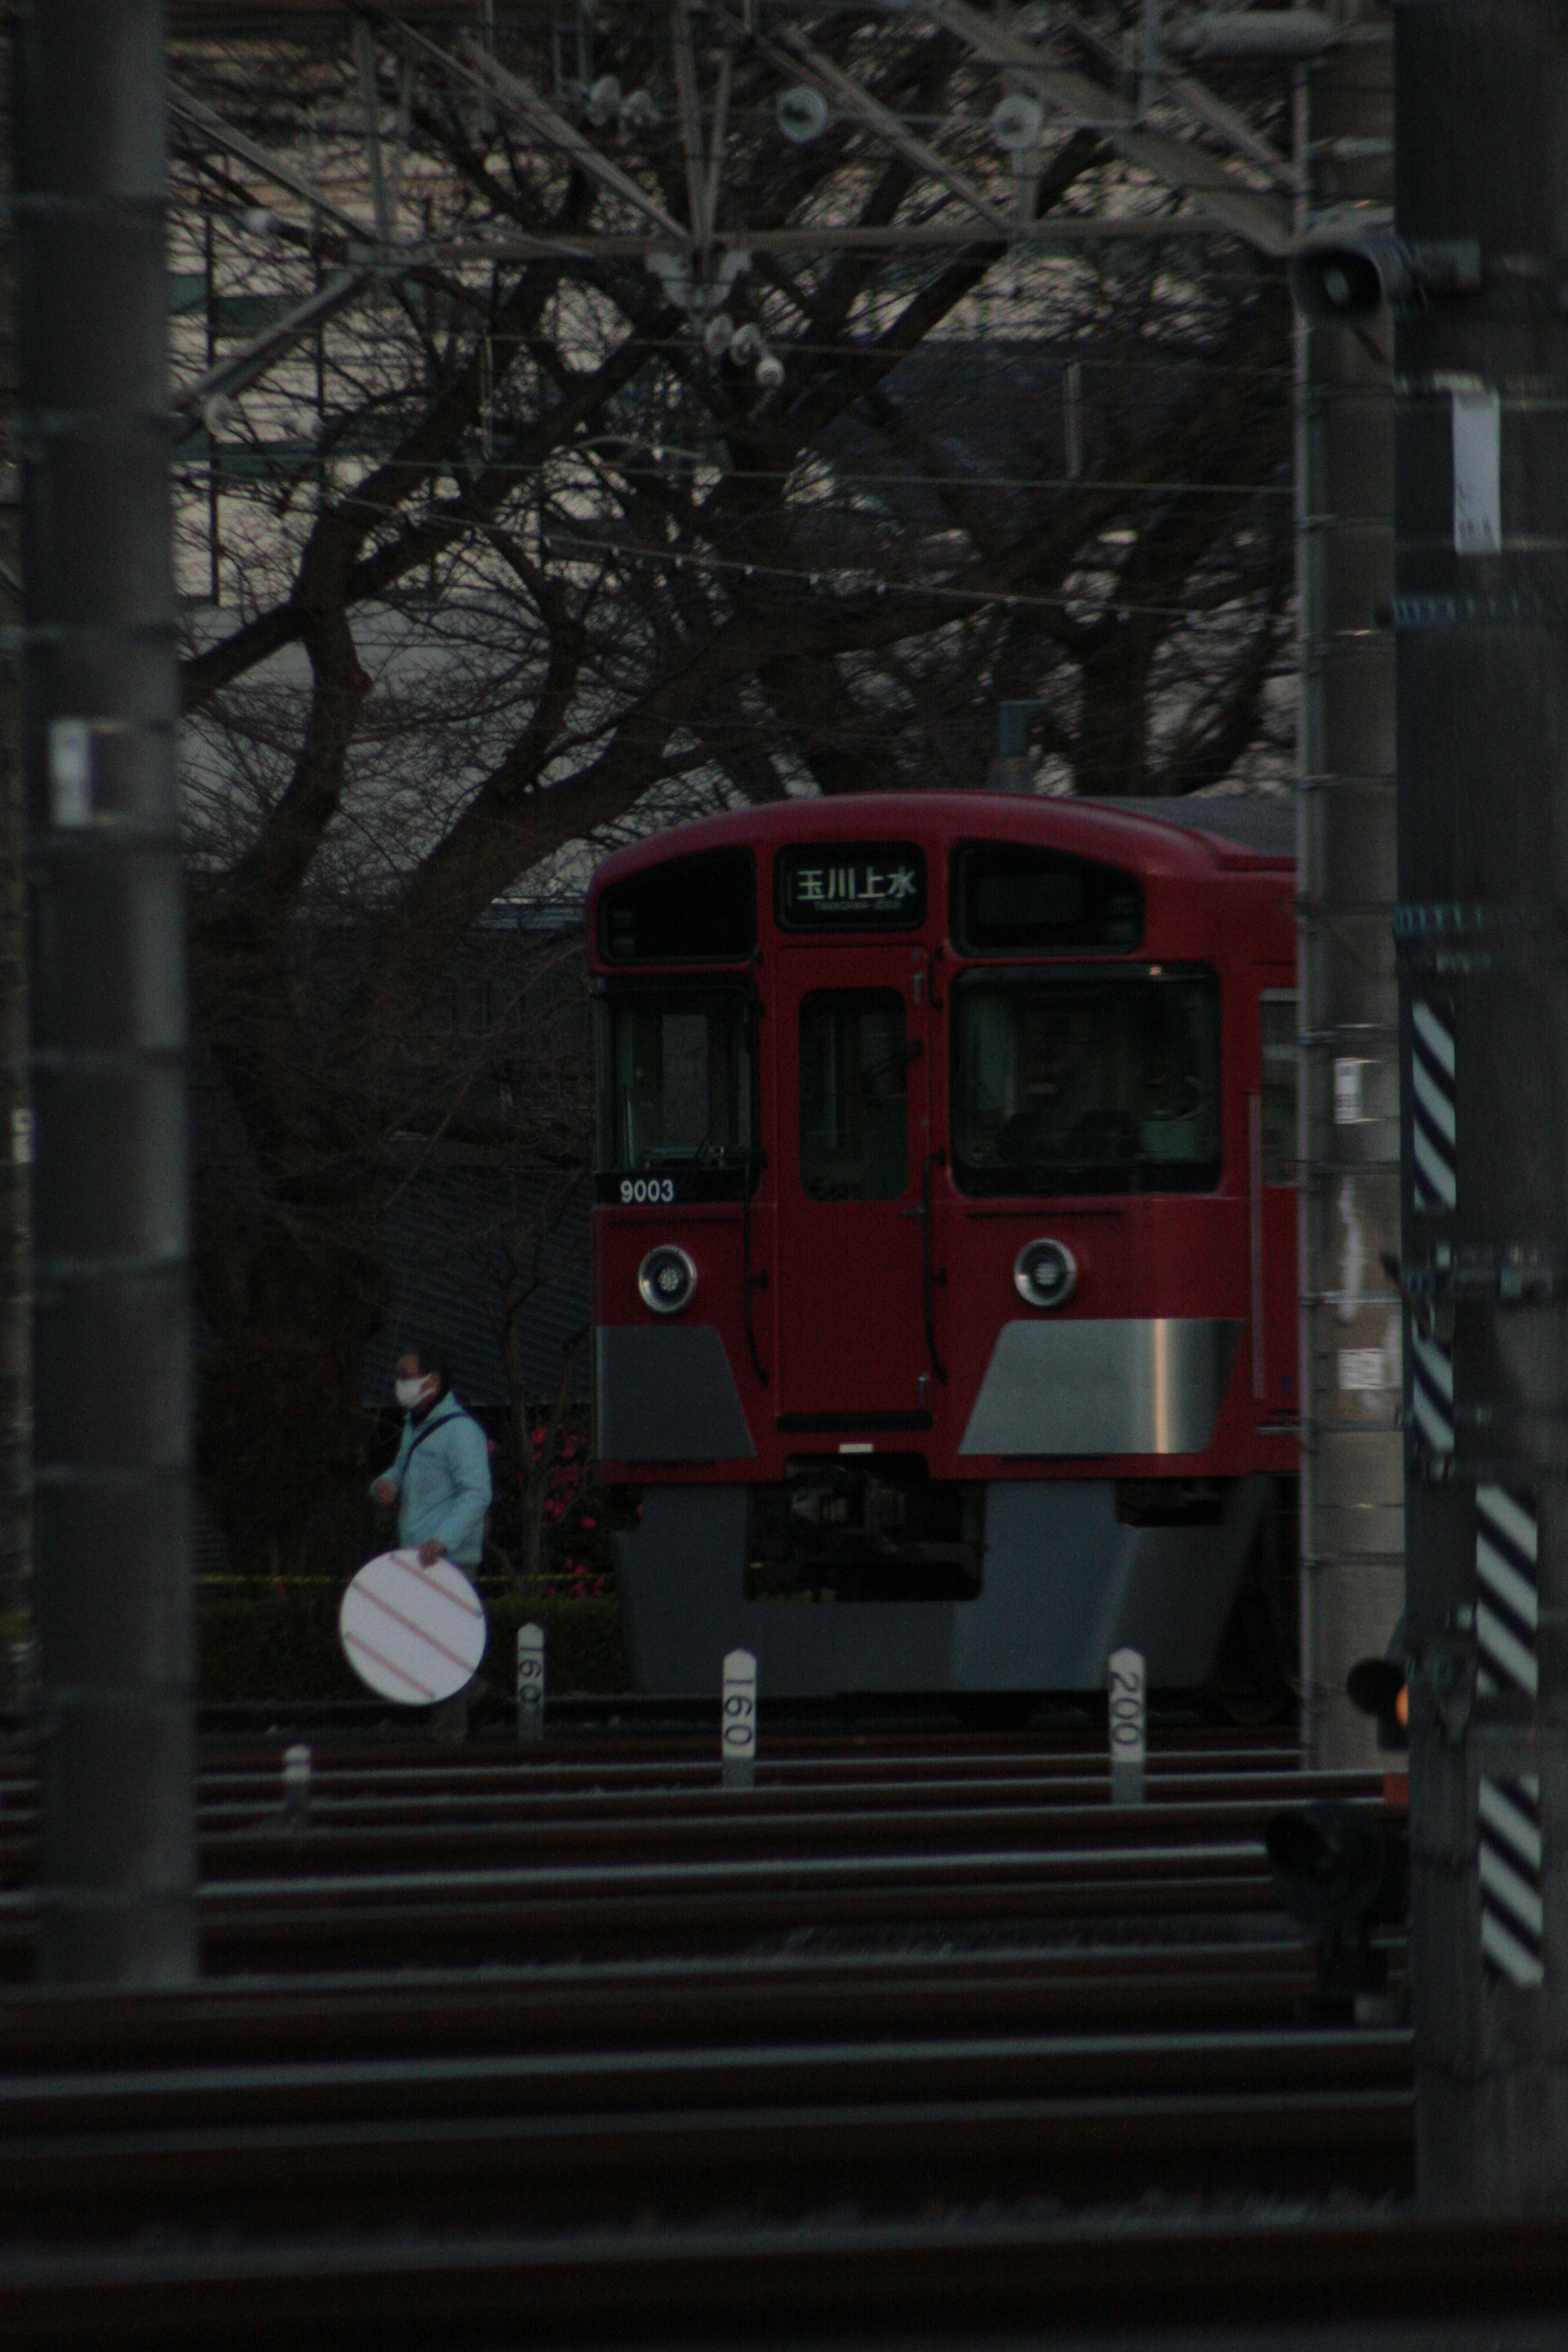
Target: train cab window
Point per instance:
(854, 1084)
(1011, 899)
(1277, 1019)
(675, 1091)
(699, 909)
(1087, 1083)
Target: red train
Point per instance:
(944, 1237)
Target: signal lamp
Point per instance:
(1347, 270)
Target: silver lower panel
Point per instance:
(666, 1394)
(1103, 1385)
(1064, 1585)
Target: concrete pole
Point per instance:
(17, 1648)
(100, 686)
(1481, 613)
(1351, 1457)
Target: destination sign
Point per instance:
(871, 886)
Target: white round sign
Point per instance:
(415, 1634)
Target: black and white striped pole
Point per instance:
(1480, 614)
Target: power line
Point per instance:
(196, 469)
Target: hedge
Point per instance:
(280, 1641)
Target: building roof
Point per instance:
(452, 1240)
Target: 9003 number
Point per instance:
(637, 1190)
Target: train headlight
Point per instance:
(1045, 1274)
(667, 1279)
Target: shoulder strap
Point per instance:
(436, 1421)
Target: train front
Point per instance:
(944, 1287)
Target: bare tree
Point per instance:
(516, 554)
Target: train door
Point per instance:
(1274, 1200)
(855, 1281)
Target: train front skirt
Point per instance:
(1066, 1579)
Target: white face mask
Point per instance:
(412, 1392)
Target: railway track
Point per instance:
(639, 2005)
(1319, 2284)
(478, 2020)
(778, 2128)
(492, 1861)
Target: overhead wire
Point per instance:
(877, 585)
(380, 325)
(197, 465)
(872, 582)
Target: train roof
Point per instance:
(1264, 824)
(1179, 837)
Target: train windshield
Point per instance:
(676, 1092)
(1074, 1082)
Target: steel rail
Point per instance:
(479, 1930)
(352, 1851)
(36, 2109)
(475, 1825)
(407, 1805)
(932, 1756)
(667, 1782)
(784, 2123)
(477, 1919)
(547, 2166)
(275, 1846)
(415, 1804)
(267, 1840)
(925, 1746)
(1367, 2281)
(1170, 1866)
(437, 1790)
(648, 2005)
(931, 1752)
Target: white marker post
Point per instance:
(1127, 1723)
(296, 1785)
(738, 1720)
(530, 1682)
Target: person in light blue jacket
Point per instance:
(441, 1480)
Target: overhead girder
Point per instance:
(1239, 186)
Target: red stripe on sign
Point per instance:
(355, 1641)
(413, 1565)
(418, 1630)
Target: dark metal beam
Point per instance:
(112, 1453)
(1481, 613)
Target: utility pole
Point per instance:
(15, 1101)
(1481, 618)
(99, 704)
(1012, 771)
(1352, 1568)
